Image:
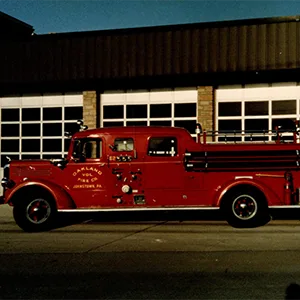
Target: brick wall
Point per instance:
(206, 107)
(90, 108)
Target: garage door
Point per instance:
(176, 107)
(257, 109)
(33, 126)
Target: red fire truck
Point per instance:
(152, 169)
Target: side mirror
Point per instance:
(113, 147)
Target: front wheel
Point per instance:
(244, 209)
(34, 214)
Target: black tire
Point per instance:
(246, 208)
(34, 214)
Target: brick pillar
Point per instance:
(90, 108)
(206, 107)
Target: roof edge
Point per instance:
(16, 20)
(227, 23)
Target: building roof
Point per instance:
(11, 27)
(228, 52)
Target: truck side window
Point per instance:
(88, 148)
(162, 146)
(123, 144)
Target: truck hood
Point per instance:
(31, 168)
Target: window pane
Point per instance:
(10, 146)
(31, 145)
(31, 114)
(229, 125)
(31, 129)
(113, 112)
(71, 127)
(30, 156)
(256, 125)
(227, 129)
(136, 123)
(10, 130)
(185, 110)
(160, 110)
(52, 113)
(10, 114)
(189, 125)
(124, 144)
(73, 113)
(89, 148)
(257, 138)
(112, 124)
(160, 123)
(162, 146)
(52, 145)
(53, 129)
(92, 149)
(230, 109)
(256, 108)
(4, 160)
(285, 124)
(67, 143)
(284, 107)
(52, 156)
(136, 111)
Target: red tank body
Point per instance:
(154, 168)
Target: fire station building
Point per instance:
(231, 75)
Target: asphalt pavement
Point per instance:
(160, 259)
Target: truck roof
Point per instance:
(130, 131)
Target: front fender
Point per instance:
(269, 194)
(61, 197)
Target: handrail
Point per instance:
(278, 136)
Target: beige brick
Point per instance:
(206, 107)
(89, 108)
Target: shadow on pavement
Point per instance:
(67, 219)
(292, 292)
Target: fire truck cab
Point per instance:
(151, 169)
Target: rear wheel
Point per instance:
(246, 208)
(35, 213)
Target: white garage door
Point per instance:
(257, 108)
(176, 107)
(33, 126)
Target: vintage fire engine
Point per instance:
(156, 168)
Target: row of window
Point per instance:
(164, 114)
(37, 129)
(190, 125)
(158, 146)
(40, 114)
(134, 111)
(258, 108)
(253, 125)
(35, 145)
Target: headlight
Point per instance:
(6, 171)
(5, 182)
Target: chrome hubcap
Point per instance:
(244, 207)
(38, 211)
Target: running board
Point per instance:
(285, 206)
(137, 209)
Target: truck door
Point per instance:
(85, 175)
(125, 173)
(164, 171)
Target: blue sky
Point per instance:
(83, 15)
